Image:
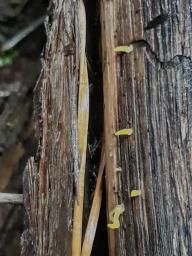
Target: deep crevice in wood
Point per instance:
(100, 246)
(153, 57)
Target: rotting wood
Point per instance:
(48, 180)
(110, 111)
(149, 90)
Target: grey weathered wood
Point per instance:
(11, 198)
(150, 90)
(48, 180)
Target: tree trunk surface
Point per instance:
(149, 90)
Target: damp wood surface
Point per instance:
(149, 90)
(48, 179)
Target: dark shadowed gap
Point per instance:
(100, 246)
(18, 142)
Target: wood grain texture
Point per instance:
(150, 91)
(48, 196)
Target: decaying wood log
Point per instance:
(48, 181)
(149, 90)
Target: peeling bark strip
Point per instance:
(50, 178)
(83, 120)
(155, 99)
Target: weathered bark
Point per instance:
(149, 90)
(48, 196)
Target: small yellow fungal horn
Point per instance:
(124, 48)
(135, 193)
(124, 132)
(114, 216)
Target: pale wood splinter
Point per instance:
(10, 198)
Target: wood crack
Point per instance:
(173, 62)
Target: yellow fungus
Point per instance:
(124, 48)
(114, 216)
(118, 169)
(124, 132)
(135, 193)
